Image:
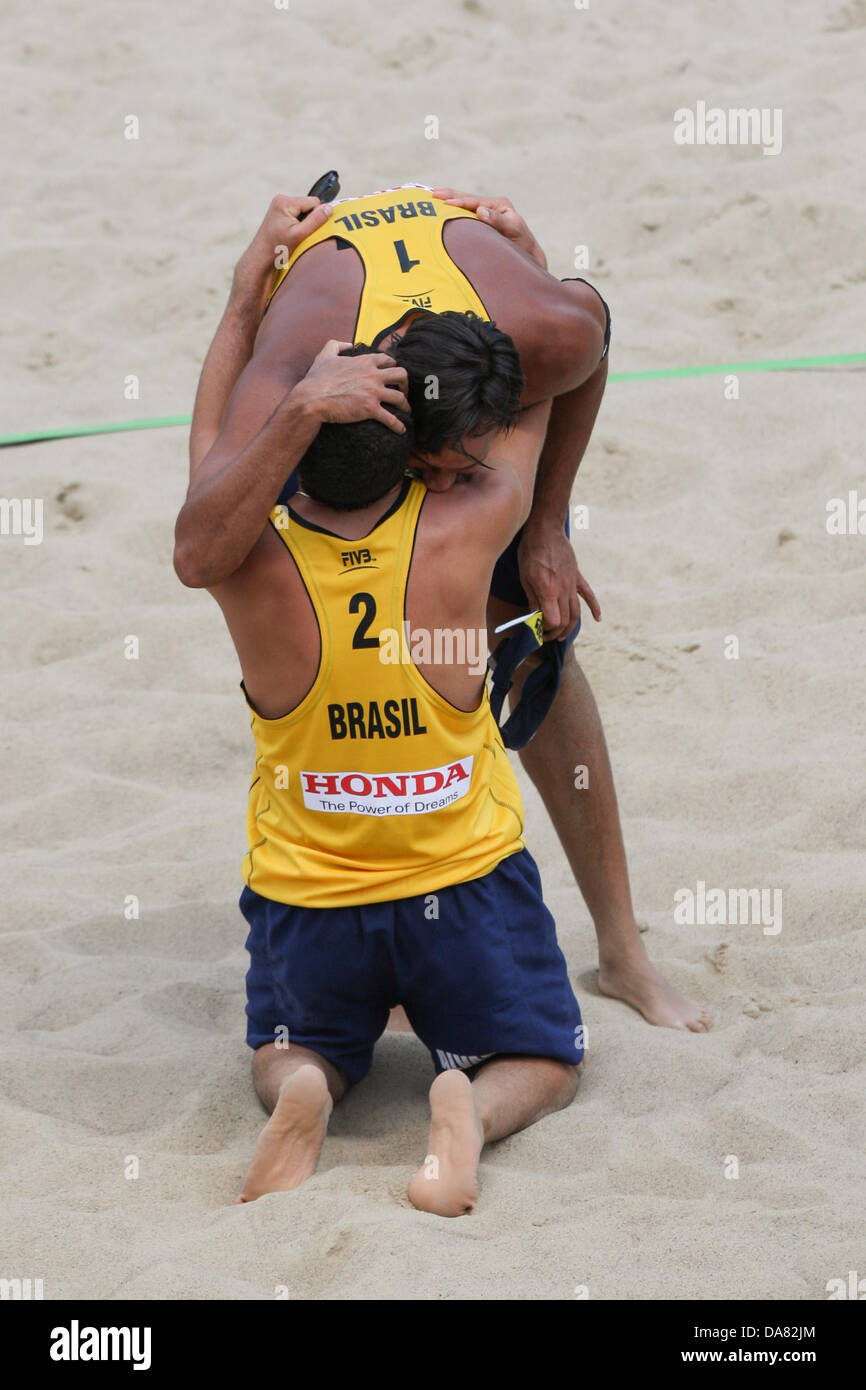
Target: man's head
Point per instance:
(465, 382)
(351, 466)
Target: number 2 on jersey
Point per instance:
(360, 639)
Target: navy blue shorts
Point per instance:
(476, 967)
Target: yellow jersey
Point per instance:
(374, 787)
(398, 235)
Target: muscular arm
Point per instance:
(498, 496)
(227, 356)
(255, 417)
(548, 566)
(235, 486)
(518, 453)
(560, 331)
(232, 346)
(572, 420)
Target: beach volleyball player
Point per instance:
(386, 857)
(361, 272)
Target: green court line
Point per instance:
(74, 431)
(780, 364)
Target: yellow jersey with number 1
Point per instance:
(398, 236)
(374, 787)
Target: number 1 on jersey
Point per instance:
(403, 256)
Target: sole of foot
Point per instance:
(288, 1147)
(447, 1184)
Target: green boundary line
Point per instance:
(781, 364)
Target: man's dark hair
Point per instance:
(464, 374)
(351, 466)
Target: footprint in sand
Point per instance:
(70, 506)
(719, 958)
(852, 16)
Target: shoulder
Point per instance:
(484, 509)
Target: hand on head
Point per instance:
(344, 389)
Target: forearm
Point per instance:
(572, 419)
(225, 513)
(286, 223)
(228, 354)
(527, 242)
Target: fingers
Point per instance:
(492, 216)
(394, 397)
(396, 376)
(552, 614)
(448, 193)
(315, 218)
(333, 348)
(360, 388)
(299, 231)
(473, 201)
(464, 200)
(388, 419)
(562, 613)
(589, 598)
(388, 370)
(291, 204)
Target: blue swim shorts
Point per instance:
(476, 966)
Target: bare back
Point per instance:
(319, 299)
(460, 534)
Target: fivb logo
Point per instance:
(76, 1343)
(737, 126)
(22, 516)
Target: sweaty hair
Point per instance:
(464, 374)
(351, 466)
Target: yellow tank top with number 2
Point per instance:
(374, 787)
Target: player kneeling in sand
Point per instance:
(386, 856)
(364, 272)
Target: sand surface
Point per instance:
(123, 1039)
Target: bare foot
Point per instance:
(288, 1147)
(635, 979)
(398, 1022)
(447, 1185)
